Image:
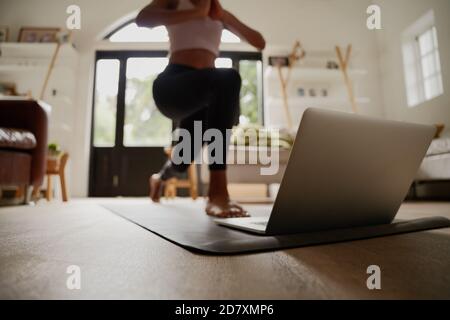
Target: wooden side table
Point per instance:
(170, 190)
(56, 167)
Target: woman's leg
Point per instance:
(181, 93)
(173, 169)
(207, 95)
(222, 115)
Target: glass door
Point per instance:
(129, 133)
(144, 125)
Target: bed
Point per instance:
(433, 178)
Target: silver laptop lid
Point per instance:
(347, 170)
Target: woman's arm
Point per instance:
(159, 13)
(236, 26)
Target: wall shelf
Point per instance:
(314, 74)
(317, 101)
(42, 68)
(35, 50)
(26, 65)
(309, 84)
(19, 57)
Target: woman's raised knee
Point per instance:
(231, 77)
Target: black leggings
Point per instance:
(185, 94)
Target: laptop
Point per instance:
(344, 171)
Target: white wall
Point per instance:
(319, 24)
(397, 16)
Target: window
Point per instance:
(249, 66)
(430, 63)
(224, 63)
(130, 32)
(144, 125)
(251, 104)
(105, 101)
(421, 60)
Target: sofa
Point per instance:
(23, 143)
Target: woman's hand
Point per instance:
(216, 12)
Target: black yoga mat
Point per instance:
(185, 224)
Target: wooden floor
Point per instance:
(119, 260)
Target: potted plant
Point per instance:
(53, 155)
(54, 151)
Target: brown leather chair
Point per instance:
(23, 143)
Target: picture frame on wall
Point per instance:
(38, 35)
(8, 89)
(279, 61)
(4, 34)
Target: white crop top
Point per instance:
(204, 33)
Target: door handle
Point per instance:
(115, 181)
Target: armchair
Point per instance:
(22, 158)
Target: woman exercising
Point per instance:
(191, 88)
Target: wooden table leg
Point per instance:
(62, 179)
(192, 177)
(48, 192)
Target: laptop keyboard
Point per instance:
(261, 223)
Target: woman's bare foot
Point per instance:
(156, 185)
(224, 208)
(219, 204)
